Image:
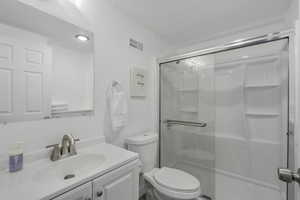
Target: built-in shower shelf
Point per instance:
(262, 114)
(267, 142)
(188, 90)
(262, 86)
(189, 110)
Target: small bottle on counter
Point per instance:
(16, 157)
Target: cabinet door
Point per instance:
(122, 184)
(83, 192)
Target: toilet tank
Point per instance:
(146, 146)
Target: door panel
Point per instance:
(6, 52)
(36, 69)
(120, 184)
(34, 57)
(6, 89)
(34, 92)
(9, 75)
(117, 188)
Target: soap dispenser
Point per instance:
(16, 157)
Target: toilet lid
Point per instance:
(176, 180)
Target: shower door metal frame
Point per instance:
(240, 43)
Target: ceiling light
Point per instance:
(82, 37)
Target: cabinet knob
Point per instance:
(99, 194)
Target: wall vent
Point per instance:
(136, 44)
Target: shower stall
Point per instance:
(225, 117)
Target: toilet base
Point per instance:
(153, 194)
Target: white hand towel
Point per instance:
(117, 103)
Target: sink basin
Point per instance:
(69, 168)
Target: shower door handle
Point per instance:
(289, 176)
(170, 122)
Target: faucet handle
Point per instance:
(73, 150)
(75, 139)
(56, 152)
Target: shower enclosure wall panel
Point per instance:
(251, 120)
(242, 95)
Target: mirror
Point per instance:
(46, 65)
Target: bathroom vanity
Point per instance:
(98, 172)
(118, 184)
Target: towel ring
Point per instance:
(115, 83)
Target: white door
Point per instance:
(83, 192)
(8, 83)
(35, 67)
(122, 184)
(25, 69)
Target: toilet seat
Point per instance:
(175, 179)
(174, 183)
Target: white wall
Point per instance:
(114, 58)
(72, 72)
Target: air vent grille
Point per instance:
(136, 44)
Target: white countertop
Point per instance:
(23, 185)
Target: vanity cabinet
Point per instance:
(83, 192)
(121, 183)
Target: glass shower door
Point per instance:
(188, 118)
(224, 119)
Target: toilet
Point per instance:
(165, 183)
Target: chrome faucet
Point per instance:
(66, 148)
(68, 145)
